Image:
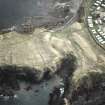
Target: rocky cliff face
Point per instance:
(33, 57)
(86, 82)
(38, 50)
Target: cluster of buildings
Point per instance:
(96, 20)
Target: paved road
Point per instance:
(87, 12)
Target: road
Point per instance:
(87, 12)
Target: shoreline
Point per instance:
(13, 75)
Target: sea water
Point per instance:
(38, 95)
(14, 11)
